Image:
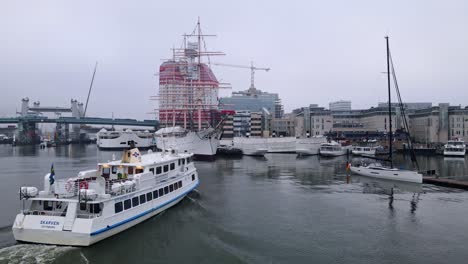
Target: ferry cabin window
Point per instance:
(172, 166)
(48, 206)
(178, 162)
(166, 168)
(114, 169)
(142, 199)
(151, 170)
(166, 190)
(94, 208)
(183, 161)
(188, 160)
(135, 201)
(83, 206)
(149, 196)
(138, 171)
(193, 177)
(127, 204)
(176, 186)
(161, 192)
(158, 170)
(130, 170)
(118, 207)
(180, 184)
(105, 172)
(171, 188)
(155, 194)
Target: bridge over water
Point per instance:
(29, 117)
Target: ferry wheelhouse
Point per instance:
(99, 203)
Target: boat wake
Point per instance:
(30, 253)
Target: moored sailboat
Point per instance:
(377, 170)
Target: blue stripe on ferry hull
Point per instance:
(141, 214)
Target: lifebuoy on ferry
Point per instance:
(84, 185)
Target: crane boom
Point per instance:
(252, 71)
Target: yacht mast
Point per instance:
(389, 106)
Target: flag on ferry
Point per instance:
(52, 175)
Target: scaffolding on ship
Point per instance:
(188, 89)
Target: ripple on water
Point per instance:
(31, 253)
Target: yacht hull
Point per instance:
(388, 174)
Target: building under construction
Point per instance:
(188, 89)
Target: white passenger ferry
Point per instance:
(97, 204)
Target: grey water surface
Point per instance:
(277, 209)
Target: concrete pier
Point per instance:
(446, 182)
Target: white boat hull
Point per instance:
(309, 146)
(388, 174)
(333, 153)
(85, 232)
(192, 142)
(454, 153)
(281, 145)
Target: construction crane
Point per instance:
(252, 71)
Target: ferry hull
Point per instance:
(70, 238)
(395, 175)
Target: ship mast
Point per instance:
(389, 106)
(188, 89)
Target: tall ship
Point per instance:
(455, 148)
(123, 139)
(203, 143)
(188, 98)
(102, 202)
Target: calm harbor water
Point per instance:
(277, 209)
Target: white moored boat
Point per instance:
(364, 150)
(333, 149)
(97, 204)
(376, 170)
(201, 143)
(251, 146)
(123, 139)
(310, 145)
(455, 148)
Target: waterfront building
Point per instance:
(439, 123)
(283, 127)
(253, 100)
(242, 124)
(312, 121)
(340, 105)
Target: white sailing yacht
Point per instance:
(377, 170)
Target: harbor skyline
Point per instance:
(336, 53)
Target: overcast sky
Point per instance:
(318, 51)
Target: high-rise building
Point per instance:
(253, 100)
(341, 105)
